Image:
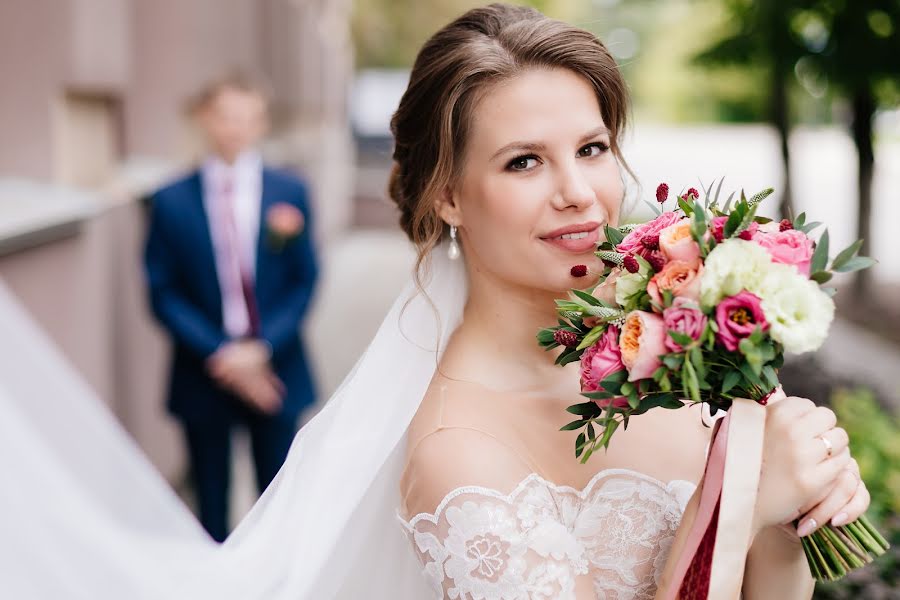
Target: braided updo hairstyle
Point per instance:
(453, 71)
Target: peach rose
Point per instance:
(677, 244)
(679, 277)
(641, 343)
(606, 290)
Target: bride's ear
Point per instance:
(448, 208)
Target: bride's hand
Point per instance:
(797, 471)
(845, 502)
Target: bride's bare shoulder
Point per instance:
(450, 445)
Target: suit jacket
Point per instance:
(185, 296)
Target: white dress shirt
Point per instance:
(245, 177)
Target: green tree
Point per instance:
(860, 55)
(760, 36)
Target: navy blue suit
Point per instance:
(185, 297)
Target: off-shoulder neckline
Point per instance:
(535, 477)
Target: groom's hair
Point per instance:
(453, 71)
(233, 80)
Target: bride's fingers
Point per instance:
(840, 495)
(854, 509)
(816, 422)
(836, 439)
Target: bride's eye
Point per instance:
(595, 149)
(522, 163)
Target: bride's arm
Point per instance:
(777, 568)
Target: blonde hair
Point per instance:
(452, 71)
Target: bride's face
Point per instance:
(538, 181)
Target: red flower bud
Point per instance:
(662, 192)
(657, 262)
(631, 264)
(692, 192)
(785, 225)
(579, 270)
(565, 338)
(650, 242)
(746, 235)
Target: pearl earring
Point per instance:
(453, 250)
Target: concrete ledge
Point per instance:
(33, 214)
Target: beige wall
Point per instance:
(93, 87)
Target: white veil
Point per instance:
(84, 515)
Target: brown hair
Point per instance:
(233, 80)
(452, 72)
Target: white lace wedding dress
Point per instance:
(537, 540)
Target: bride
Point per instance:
(438, 468)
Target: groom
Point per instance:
(231, 269)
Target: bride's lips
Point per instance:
(579, 238)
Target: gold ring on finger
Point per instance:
(829, 449)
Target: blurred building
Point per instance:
(91, 119)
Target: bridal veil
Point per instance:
(83, 514)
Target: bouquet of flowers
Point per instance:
(699, 305)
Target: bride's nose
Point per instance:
(573, 190)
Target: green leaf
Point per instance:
(728, 202)
(585, 297)
(619, 376)
(590, 431)
(682, 339)
(573, 425)
(820, 256)
(800, 220)
(718, 191)
(614, 236)
(598, 395)
(627, 388)
(809, 227)
(733, 222)
(857, 263)
(659, 373)
(731, 379)
(770, 376)
(846, 254)
(673, 361)
(653, 206)
(685, 207)
(633, 400)
(821, 277)
(584, 409)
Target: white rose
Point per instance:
(628, 284)
(798, 311)
(733, 266)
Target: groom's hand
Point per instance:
(243, 368)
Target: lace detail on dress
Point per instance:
(535, 542)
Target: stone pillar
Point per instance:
(309, 58)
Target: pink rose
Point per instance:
(642, 343)
(684, 316)
(738, 317)
(599, 362)
(677, 244)
(679, 277)
(789, 247)
(632, 242)
(606, 291)
(717, 227)
(284, 220)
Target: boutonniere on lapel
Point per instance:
(284, 223)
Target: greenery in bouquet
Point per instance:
(699, 305)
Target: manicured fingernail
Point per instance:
(806, 527)
(839, 519)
